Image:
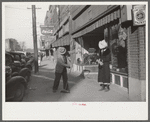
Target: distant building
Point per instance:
(10, 45)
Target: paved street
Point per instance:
(81, 89)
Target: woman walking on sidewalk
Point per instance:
(61, 70)
(103, 68)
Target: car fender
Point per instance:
(24, 71)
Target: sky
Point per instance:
(18, 21)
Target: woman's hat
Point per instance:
(102, 44)
(62, 50)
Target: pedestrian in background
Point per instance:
(52, 55)
(61, 70)
(47, 53)
(103, 67)
(55, 54)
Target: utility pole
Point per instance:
(35, 39)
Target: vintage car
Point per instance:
(16, 67)
(15, 86)
(23, 59)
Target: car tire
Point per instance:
(19, 92)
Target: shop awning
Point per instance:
(65, 40)
(104, 20)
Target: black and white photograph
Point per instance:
(75, 60)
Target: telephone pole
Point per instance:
(35, 38)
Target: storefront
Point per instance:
(106, 27)
(115, 26)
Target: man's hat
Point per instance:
(62, 50)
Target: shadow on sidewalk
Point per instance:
(41, 83)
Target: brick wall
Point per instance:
(142, 52)
(133, 53)
(136, 52)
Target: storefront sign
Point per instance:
(46, 30)
(139, 15)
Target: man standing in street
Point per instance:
(61, 70)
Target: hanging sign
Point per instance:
(139, 15)
(47, 30)
(47, 38)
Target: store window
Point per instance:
(118, 46)
(90, 57)
(91, 49)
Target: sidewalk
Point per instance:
(81, 89)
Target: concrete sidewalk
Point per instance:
(81, 89)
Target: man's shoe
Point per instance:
(65, 91)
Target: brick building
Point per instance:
(80, 27)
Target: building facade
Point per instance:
(61, 26)
(80, 27)
(47, 37)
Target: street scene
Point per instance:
(75, 53)
(40, 88)
(100, 50)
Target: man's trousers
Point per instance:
(57, 80)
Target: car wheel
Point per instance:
(19, 92)
(27, 76)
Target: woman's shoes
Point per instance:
(104, 87)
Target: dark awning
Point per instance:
(65, 40)
(100, 22)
